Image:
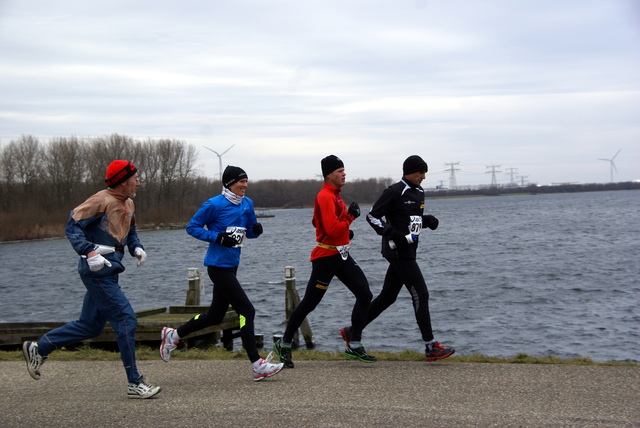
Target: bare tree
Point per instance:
(150, 162)
(167, 171)
(65, 168)
(186, 170)
(104, 150)
(21, 161)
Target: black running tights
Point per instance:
(323, 270)
(227, 291)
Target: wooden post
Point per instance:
(195, 285)
(291, 300)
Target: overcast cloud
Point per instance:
(543, 87)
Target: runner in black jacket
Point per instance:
(398, 217)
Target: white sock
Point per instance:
(430, 344)
(354, 345)
(257, 363)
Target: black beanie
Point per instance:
(232, 174)
(330, 164)
(414, 163)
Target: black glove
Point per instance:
(256, 229)
(430, 221)
(350, 234)
(226, 239)
(354, 209)
(399, 239)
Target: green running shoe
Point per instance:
(283, 353)
(359, 354)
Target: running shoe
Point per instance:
(266, 368)
(359, 354)
(438, 351)
(168, 344)
(142, 389)
(345, 332)
(33, 358)
(283, 353)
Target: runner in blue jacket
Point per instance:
(224, 221)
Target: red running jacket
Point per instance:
(331, 220)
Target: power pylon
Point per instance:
(452, 176)
(493, 171)
(513, 172)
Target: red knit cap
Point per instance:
(119, 171)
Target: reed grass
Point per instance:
(86, 353)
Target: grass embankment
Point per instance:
(146, 353)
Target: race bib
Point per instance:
(237, 233)
(343, 250)
(415, 224)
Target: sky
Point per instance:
(535, 91)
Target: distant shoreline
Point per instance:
(429, 194)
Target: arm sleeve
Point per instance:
(252, 220)
(380, 207)
(133, 241)
(80, 218)
(75, 233)
(196, 226)
(334, 224)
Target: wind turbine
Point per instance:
(219, 158)
(613, 166)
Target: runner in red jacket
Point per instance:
(330, 258)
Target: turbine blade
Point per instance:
(227, 150)
(614, 156)
(614, 166)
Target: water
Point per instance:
(542, 275)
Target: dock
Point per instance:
(150, 324)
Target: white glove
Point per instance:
(140, 254)
(411, 238)
(97, 262)
(103, 249)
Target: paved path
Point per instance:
(323, 394)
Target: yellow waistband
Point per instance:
(328, 247)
